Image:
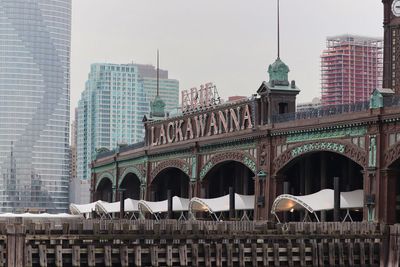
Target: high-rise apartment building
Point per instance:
(112, 107)
(351, 67)
(34, 104)
(169, 88)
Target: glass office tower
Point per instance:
(35, 38)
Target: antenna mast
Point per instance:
(278, 31)
(158, 65)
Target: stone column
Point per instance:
(277, 184)
(370, 193)
(387, 196)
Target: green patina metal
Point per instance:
(372, 151)
(250, 163)
(107, 167)
(134, 161)
(158, 107)
(193, 178)
(376, 100)
(335, 147)
(228, 146)
(166, 156)
(205, 169)
(278, 72)
(186, 169)
(327, 134)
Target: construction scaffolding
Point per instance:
(351, 68)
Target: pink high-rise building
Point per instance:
(351, 67)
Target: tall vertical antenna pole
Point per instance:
(278, 31)
(158, 68)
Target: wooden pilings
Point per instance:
(193, 243)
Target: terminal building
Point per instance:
(262, 147)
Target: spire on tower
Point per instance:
(158, 73)
(278, 30)
(158, 105)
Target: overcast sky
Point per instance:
(228, 42)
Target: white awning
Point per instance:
(178, 204)
(322, 200)
(352, 199)
(130, 205)
(78, 209)
(219, 204)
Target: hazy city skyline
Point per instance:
(230, 43)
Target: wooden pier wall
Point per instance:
(172, 243)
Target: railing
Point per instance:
(121, 149)
(132, 146)
(393, 101)
(321, 112)
(192, 243)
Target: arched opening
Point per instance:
(131, 184)
(314, 171)
(227, 174)
(104, 190)
(172, 179)
(221, 177)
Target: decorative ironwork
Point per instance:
(250, 163)
(205, 169)
(318, 146)
(372, 151)
(346, 149)
(173, 163)
(327, 134)
(246, 159)
(325, 111)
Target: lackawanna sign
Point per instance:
(215, 122)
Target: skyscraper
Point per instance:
(34, 104)
(112, 107)
(169, 88)
(351, 67)
(110, 112)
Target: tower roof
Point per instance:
(278, 73)
(158, 107)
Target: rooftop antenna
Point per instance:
(278, 32)
(158, 69)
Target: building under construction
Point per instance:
(351, 67)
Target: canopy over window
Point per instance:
(220, 204)
(322, 200)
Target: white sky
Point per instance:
(228, 42)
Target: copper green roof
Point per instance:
(278, 72)
(158, 107)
